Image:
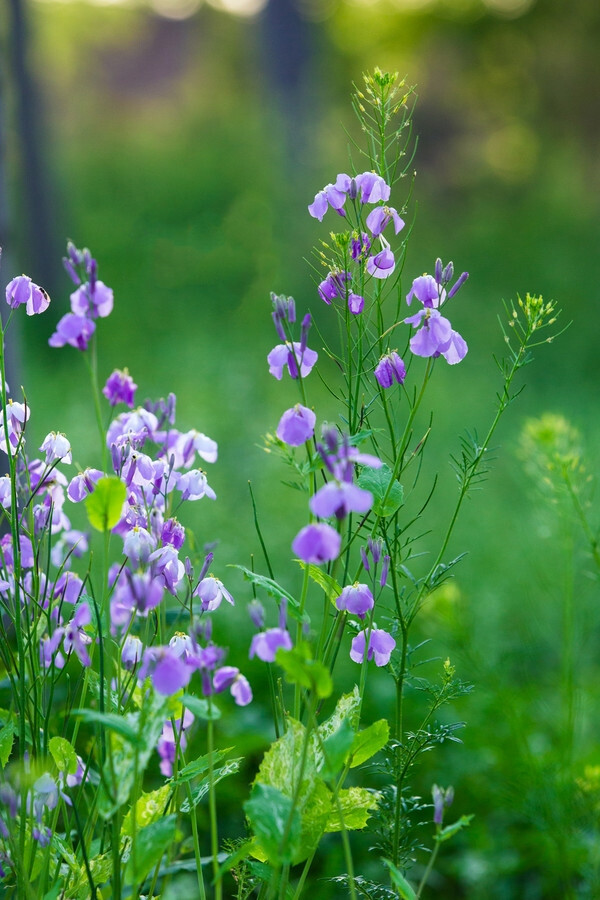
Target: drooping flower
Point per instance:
(120, 388)
(93, 300)
(291, 354)
(22, 290)
(75, 637)
(296, 426)
(381, 645)
(265, 644)
(338, 498)
(390, 368)
(334, 286)
(230, 677)
(382, 264)
(211, 591)
(332, 196)
(357, 599)
(317, 543)
(193, 485)
(138, 544)
(356, 304)
(167, 742)
(57, 448)
(83, 484)
(131, 652)
(169, 673)
(436, 336)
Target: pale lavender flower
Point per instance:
(57, 448)
(334, 286)
(92, 299)
(329, 196)
(75, 637)
(83, 484)
(49, 650)
(290, 354)
(168, 672)
(381, 645)
(265, 644)
(368, 187)
(340, 498)
(120, 388)
(256, 611)
(167, 742)
(436, 336)
(193, 485)
(211, 591)
(22, 290)
(390, 368)
(5, 491)
(317, 543)
(296, 426)
(357, 599)
(45, 795)
(131, 652)
(441, 799)
(138, 545)
(173, 532)
(428, 291)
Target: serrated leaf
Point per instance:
(7, 736)
(151, 843)
(201, 708)
(63, 754)
(356, 804)
(105, 503)
(388, 494)
(200, 791)
(199, 766)
(329, 585)
(149, 808)
(400, 882)
(368, 742)
(275, 821)
(347, 708)
(450, 830)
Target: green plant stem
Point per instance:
(427, 871)
(212, 805)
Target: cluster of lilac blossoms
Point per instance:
(91, 300)
(435, 335)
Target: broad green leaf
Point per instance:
(329, 585)
(63, 754)
(276, 822)
(201, 708)
(59, 844)
(450, 830)
(301, 668)
(347, 708)
(7, 736)
(148, 809)
(336, 748)
(400, 882)
(369, 742)
(356, 804)
(387, 498)
(54, 892)
(150, 845)
(105, 504)
(200, 790)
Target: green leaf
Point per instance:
(199, 766)
(151, 843)
(275, 821)
(7, 736)
(105, 504)
(450, 830)
(272, 589)
(54, 892)
(377, 481)
(63, 754)
(329, 585)
(347, 708)
(149, 808)
(201, 790)
(400, 882)
(369, 742)
(201, 708)
(336, 748)
(301, 668)
(112, 721)
(356, 804)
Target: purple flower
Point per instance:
(381, 645)
(173, 533)
(382, 264)
(369, 187)
(193, 486)
(168, 672)
(22, 290)
(334, 286)
(390, 368)
(138, 544)
(380, 217)
(57, 448)
(230, 677)
(211, 591)
(296, 426)
(356, 304)
(83, 484)
(428, 291)
(120, 388)
(73, 330)
(93, 299)
(357, 599)
(329, 196)
(340, 498)
(317, 543)
(265, 644)
(436, 337)
(131, 652)
(359, 245)
(75, 637)
(290, 354)
(441, 799)
(167, 742)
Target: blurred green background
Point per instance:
(182, 141)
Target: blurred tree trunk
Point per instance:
(34, 203)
